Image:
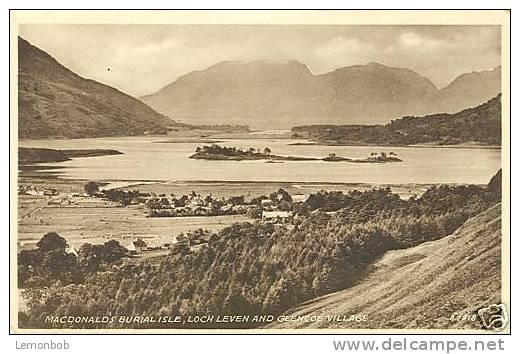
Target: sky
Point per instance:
(141, 59)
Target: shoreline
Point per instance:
(219, 136)
(50, 176)
(460, 146)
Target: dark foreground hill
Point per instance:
(421, 287)
(55, 102)
(480, 125)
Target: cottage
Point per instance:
(299, 198)
(181, 239)
(71, 250)
(266, 202)
(137, 246)
(275, 216)
(153, 245)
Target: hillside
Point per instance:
(421, 287)
(479, 125)
(265, 94)
(55, 102)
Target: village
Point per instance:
(169, 210)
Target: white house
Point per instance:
(137, 246)
(274, 216)
(71, 250)
(299, 198)
(266, 202)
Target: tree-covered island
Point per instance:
(217, 152)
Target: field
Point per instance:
(85, 219)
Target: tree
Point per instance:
(267, 151)
(89, 257)
(52, 241)
(113, 251)
(91, 188)
(254, 213)
(235, 302)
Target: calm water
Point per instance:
(147, 159)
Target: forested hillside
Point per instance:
(423, 286)
(481, 124)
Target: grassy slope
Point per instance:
(55, 102)
(421, 287)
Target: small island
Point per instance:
(223, 153)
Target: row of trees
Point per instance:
(215, 149)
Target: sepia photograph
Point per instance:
(260, 171)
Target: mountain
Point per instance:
(373, 93)
(266, 94)
(469, 90)
(421, 287)
(257, 94)
(477, 125)
(55, 102)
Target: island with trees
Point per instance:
(224, 153)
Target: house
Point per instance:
(299, 198)
(266, 202)
(181, 239)
(71, 250)
(50, 192)
(275, 216)
(54, 203)
(153, 245)
(226, 208)
(137, 246)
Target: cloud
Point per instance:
(341, 51)
(144, 58)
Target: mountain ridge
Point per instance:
(374, 93)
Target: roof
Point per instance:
(71, 250)
(299, 198)
(139, 243)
